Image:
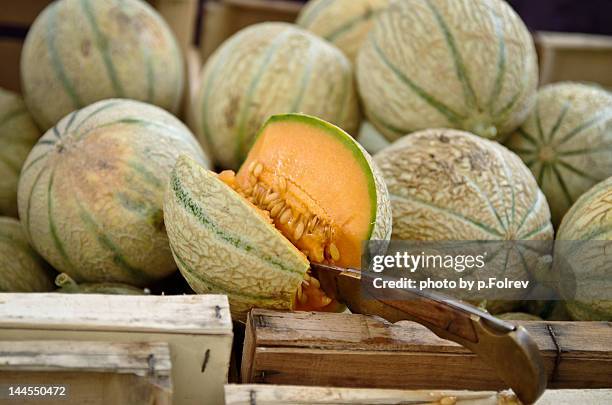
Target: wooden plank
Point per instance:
(222, 19)
(22, 12)
(137, 358)
(577, 57)
(181, 16)
(88, 388)
(252, 394)
(91, 372)
(198, 329)
(194, 66)
(10, 53)
(329, 349)
(191, 314)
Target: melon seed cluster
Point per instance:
(312, 233)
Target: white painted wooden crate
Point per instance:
(198, 329)
(93, 373)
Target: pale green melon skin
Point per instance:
(203, 249)
(481, 77)
(81, 51)
(344, 24)
(21, 268)
(561, 109)
(267, 69)
(518, 316)
(452, 185)
(91, 191)
(214, 264)
(590, 218)
(18, 134)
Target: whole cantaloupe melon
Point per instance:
(465, 64)
(343, 23)
(81, 51)
(266, 69)
(584, 241)
(18, 134)
(449, 185)
(567, 142)
(91, 191)
(21, 268)
(257, 230)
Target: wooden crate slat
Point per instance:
(331, 349)
(249, 394)
(574, 57)
(91, 372)
(137, 358)
(167, 314)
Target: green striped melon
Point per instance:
(344, 24)
(452, 185)
(67, 285)
(81, 51)
(519, 316)
(244, 248)
(21, 268)
(567, 142)
(549, 310)
(18, 134)
(238, 252)
(266, 69)
(464, 64)
(588, 220)
(91, 191)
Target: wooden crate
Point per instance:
(10, 54)
(296, 395)
(181, 16)
(94, 373)
(577, 57)
(353, 350)
(194, 65)
(223, 18)
(198, 329)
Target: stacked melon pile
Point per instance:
(471, 66)
(117, 194)
(89, 192)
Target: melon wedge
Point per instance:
(306, 192)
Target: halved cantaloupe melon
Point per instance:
(307, 191)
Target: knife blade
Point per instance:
(508, 348)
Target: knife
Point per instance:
(508, 348)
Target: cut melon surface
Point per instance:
(317, 184)
(307, 191)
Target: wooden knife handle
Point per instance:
(505, 347)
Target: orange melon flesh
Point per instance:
(316, 188)
(323, 179)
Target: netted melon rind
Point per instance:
(21, 268)
(223, 244)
